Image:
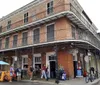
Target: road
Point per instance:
(22, 83)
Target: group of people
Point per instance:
(44, 72)
(15, 73)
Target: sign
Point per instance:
(86, 59)
(15, 58)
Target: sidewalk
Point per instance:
(78, 81)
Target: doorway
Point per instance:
(52, 69)
(75, 68)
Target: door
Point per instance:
(52, 69)
(75, 68)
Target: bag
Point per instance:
(14, 75)
(85, 74)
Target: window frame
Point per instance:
(48, 12)
(0, 29)
(25, 42)
(7, 45)
(9, 25)
(47, 32)
(26, 18)
(15, 45)
(38, 35)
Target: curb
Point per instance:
(53, 83)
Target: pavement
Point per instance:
(77, 81)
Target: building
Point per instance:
(32, 34)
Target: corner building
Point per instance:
(29, 35)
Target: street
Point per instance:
(22, 83)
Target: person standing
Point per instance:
(11, 73)
(43, 72)
(18, 72)
(31, 72)
(47, 73)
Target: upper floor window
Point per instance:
(50, 7)
(7, 42)
(50, 32)
(15, 38)
(0, 29)
(36, 35)
(0, 43)
(26, 17)
(9, 25)
(24, 38)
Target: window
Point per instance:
(24, 39)
(50, 32)
(24, 62)
(7, 42)
(0, 43)
(37, 60)
(9, 25)
(36, 35)
(52, 57)
(15, 37)
(0, 29)
(26, 17)
(50, 7)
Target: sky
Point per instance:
(91, 7)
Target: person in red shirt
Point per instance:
(43, 72)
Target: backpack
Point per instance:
(18, 70)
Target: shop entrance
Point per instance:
(52, 69)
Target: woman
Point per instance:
(43, 72)
(11, 73)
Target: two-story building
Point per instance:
(30, 35)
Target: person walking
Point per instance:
(43, 72)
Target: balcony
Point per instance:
(73, 12)
(84, 38)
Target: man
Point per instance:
(18, 72)
(31, 72)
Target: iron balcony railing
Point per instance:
(30, 40)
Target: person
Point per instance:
(64, 76)
(18, 72)
(85, 76)
(92, 70)
(11, 73)
(43, 72)
(47, 72)
(31, 72)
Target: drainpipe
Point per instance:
(32, 61)
(57, 70)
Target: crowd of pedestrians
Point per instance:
(43, 72)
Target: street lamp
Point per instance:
(57, 71)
